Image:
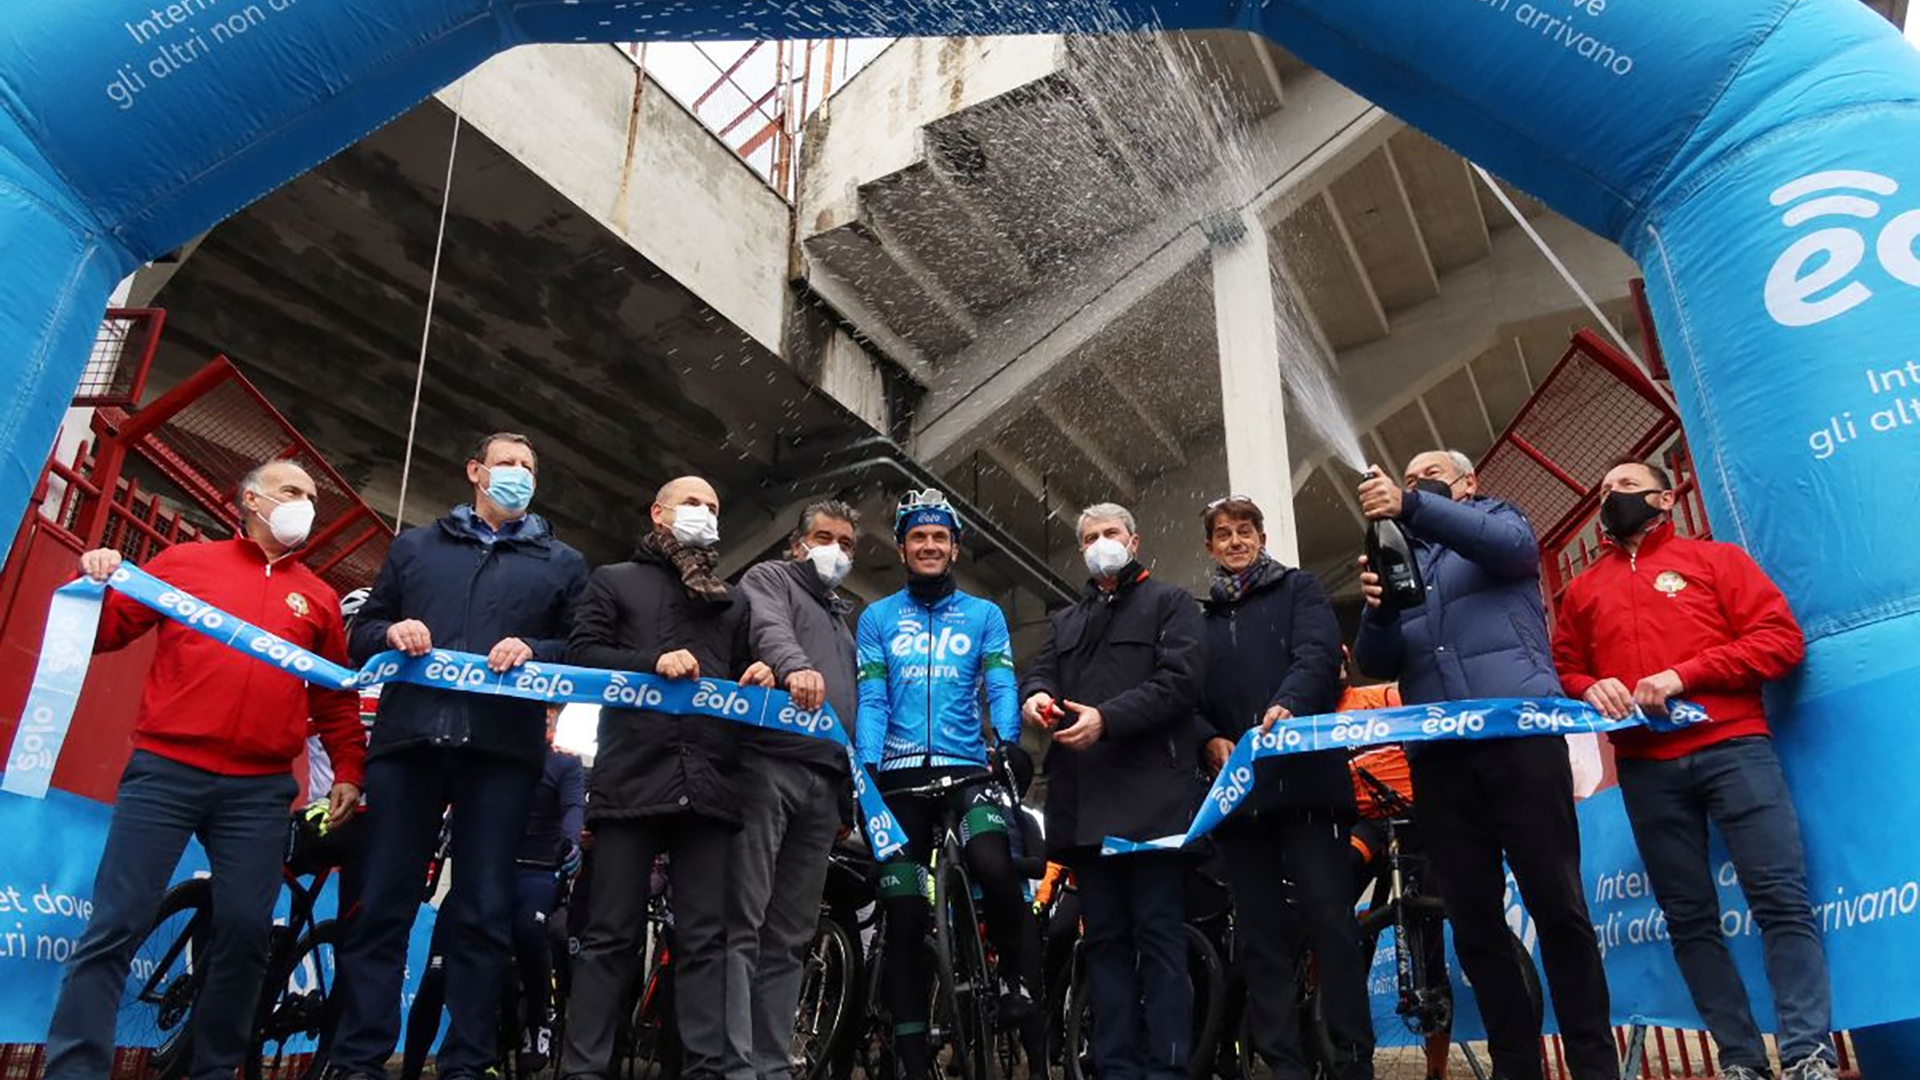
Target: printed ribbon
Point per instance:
(66, 650)
(1483, 718)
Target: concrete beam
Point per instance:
(836, 293)
(1103, 463)
(1035, 484)
(1144, 415)
(1033, 343)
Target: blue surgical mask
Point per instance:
(510, 487)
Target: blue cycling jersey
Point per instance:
(923, 673)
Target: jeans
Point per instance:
(242, 823)
(1739, 787)
(1292, 885)
(790, 813)
(610, 961)
(1136, 951)
(408, 792)
(1478, 803)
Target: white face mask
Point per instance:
(290, 521)
(831, 563)
(696, 526)
(1106, 557)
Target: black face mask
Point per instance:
(1439, 489)
(1625, 513)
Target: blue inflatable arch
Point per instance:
(1756, 156)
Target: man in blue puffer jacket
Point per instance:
(1482, 633)
(487, 578)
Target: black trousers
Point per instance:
(610, 960)
(1291, 875)
(1482, 801)
(1136, 953)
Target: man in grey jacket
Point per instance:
(792, 789)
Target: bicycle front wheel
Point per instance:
(165, 977)
(964, 1021)
(288, 1041)
(826, 997)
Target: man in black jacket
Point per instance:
(1121, 674)
(488, 577)
(1273, 652)
(793, 788)
(661, 783)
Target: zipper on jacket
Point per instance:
(927, 673)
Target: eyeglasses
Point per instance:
(916, 500)
(1224, 500)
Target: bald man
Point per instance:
(1481, 632)
(661, 783)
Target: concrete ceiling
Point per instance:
(1038, 266)
(543, 323)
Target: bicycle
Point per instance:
(1424, 997)
(648, 1044)
(964, 1017)
(289, 1020)
(831, 988)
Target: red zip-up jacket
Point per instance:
(1702, 608)
(218, 709)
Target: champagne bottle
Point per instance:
(1390, 555)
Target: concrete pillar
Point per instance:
(1252, 395)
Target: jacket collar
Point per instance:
(808, 578)
(1128, 579)
(1655, 539)
(530, 532)
(1267, 574)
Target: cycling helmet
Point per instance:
(350, 603)
(928, 507)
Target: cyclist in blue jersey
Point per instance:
(930, 655)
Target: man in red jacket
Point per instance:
(1660, 616)
(213, 750)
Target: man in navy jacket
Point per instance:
(1482, 633)
(487, 578)
(1273, 652)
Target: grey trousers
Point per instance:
(242, 823)
(791, 814)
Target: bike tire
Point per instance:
(291, 1010)
(160, 1000)
(1208, 974)
(964, 982)
(1529, 975)
(827, 989)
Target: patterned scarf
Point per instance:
(1230, 588)
(696, 564)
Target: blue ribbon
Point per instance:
(1483, 718)
(66, 650)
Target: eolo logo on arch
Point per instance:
(1801, 284)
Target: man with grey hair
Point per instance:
(213, 749)
(1117, 684)
(1481, 632)
(794, 789)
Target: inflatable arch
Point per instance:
(1756, 156)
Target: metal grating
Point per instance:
(1592, 408)
(123, 348)
(208, 432)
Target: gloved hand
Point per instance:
(1015, 760)
(569, 859)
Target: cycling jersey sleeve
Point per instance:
(996, 671)
(870, 727)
